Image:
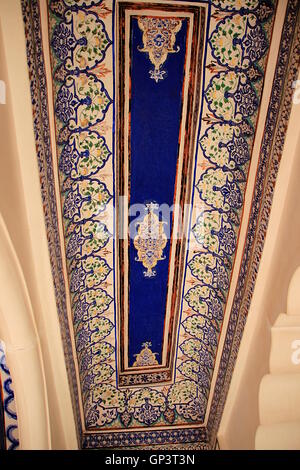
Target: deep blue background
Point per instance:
(155, 123)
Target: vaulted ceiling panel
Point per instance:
(156, 198)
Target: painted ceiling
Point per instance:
(154, 107)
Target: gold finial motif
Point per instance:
(146, 357)
(150, 240)
(159, 36)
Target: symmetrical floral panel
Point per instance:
(156, 104)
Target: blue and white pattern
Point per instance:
(9, 405)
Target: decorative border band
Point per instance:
(271, 151)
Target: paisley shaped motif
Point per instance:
(208, 268)
(103, 349)
(98, 328)
(102, 373)
(108, 396)
(231, 97)
(86, 198)
(91, 43)
(200, 328)
(91, 303)
(190, 369)
(97, 270)
(214, 232)
(220, 190)
(84, 155)
(194, 349)
(82, 101)
(96, 237)
(183, 391)
(86, 238)
(90, 271)
(204, 300)
(200, 373)
(92, 364)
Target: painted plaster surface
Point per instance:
(9, 419)
(179, 406)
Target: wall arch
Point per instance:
(18, 331)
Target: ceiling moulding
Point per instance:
(157, 102)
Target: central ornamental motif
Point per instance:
(159, 36)
(150, 240)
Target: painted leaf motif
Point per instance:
(235, 4)
(92, 40)
(231, 97)
(200, 328)
(103, 349)
(108, 396)
(182, 392)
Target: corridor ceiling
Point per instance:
(158, 137)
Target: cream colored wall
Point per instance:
(280, 258)
(21, 208)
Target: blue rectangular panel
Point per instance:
(155, 118)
